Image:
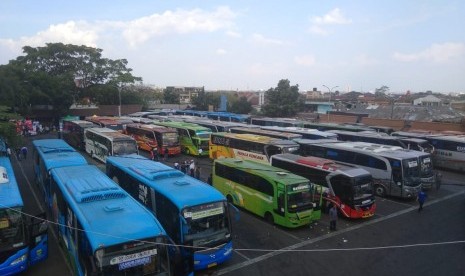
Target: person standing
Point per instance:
(24, 152)
(421, 199)
(166, 154)
(176, 166)
(210, 180)
(8, 152)
(154, 154)
(332, 217)
(18, 154)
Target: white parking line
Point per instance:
(330, 235)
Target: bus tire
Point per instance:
(269, 218)
(229, 199)
(380, 191)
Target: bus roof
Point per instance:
(264, 132)
(184, 125)
(257, 138)
(180, 188)
(82, 123)
(57, 153)
(376, 149)
(106, 212)
(323, 164)
(110, 133)
(261, 169)
(9, 190)
(152, 128)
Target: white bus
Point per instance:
(103, 142)
(395, 172)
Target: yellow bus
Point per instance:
(248, 146)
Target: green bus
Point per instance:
(275, 194)
(193, 138)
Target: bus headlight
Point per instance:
(19, 260)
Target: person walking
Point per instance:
(18, 154)
(421, 199)
(24, 152)
(332, 217)
(192, 168)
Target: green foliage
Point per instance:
(382, 91)
(47, 75)
(282, 101)
(170, 96)
(200, 101)
(241, 106)
(8, 128)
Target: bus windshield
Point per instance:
(202, 134)
(170, 139)
(207, 224)
(11, 228)
(411, 171)
(363, 188)
(426, 166)
(299, 197)
(124, 147)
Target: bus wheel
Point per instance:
(380, 191)
(229, 199)
(269, 218)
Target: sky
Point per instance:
(341, 46)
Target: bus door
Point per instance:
(397, 181)
(38, 238)
(281, 200)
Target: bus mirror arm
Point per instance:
(237, 215)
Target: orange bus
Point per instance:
(152, 136)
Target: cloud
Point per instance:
(134, 32)
(260, 39)
(306, 60)
(221, 51)
(365, 60)
(233, 34)
(333, 17)
(438, 53)
(178, 22)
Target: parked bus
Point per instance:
(395, 173)
(248, 146)
(73, 132)
(103, 142)
(346, 186)
(263, 132)
(194, 214)
(333, 126)
(280, 122)
(228, 117)
(277, 195)
(216, 126)
(114, 123)
(193, 138)
(369, 137)
(23, 238)
(307, 133)
(152, 136)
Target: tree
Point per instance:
(282, 101)
(170, 96)
(242, 106)
(57, 73)
(381, 92)
(200, 101)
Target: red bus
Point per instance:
(348, 187)
(152, 136)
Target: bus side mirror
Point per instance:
(237, 215)
(38, 225)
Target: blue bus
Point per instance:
(23, 238)
(195, 215)
(92, 215)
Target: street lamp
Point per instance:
(330, 90)
(119, 97)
